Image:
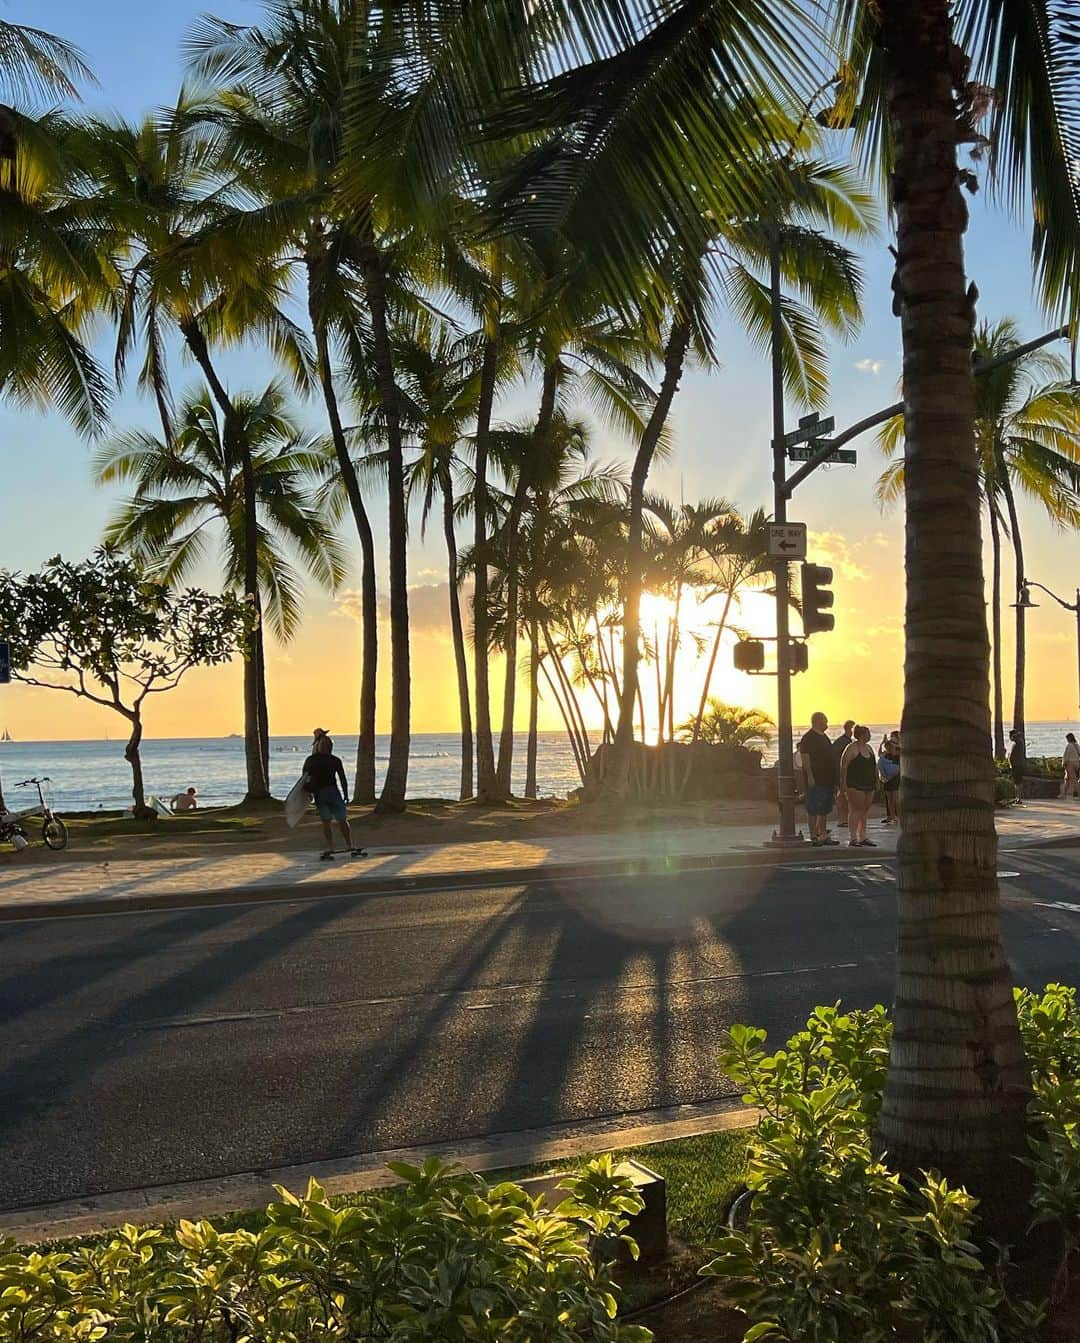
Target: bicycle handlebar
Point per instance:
(27, 782)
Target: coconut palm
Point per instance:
(186, 490)
(37, 64)
(282, 88)
(910, 85)
(1027, 435)
(57, 271)
(729, 725)
(163, 193)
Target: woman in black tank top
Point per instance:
(858, 771)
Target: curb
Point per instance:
(194, 1199)
(447, 881)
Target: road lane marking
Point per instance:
(536, 988)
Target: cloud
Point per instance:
(429, 606)
(870, 365)
(835, 550)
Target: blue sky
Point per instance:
(721, 421)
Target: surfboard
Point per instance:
(296, 804)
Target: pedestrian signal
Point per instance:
(816, 599)
(749, 655)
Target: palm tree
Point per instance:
(283, 86)
(34, 63)
(57, 269)
(958, 1086)
(161, 186)
(1027, 434)
(729, 725)
(185, 488)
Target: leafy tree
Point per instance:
(102, 631)
(729, 725)
(183, 490)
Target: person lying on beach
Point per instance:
(184, 801)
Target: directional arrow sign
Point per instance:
(787, 540)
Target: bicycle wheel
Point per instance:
(54, 832)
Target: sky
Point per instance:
(721, 431)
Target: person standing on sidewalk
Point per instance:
(1070, 764)
(819, 761)
(858, 778)
(840, 745)
(323, 770)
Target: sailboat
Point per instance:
(7, 736)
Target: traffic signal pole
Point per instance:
(785, 766)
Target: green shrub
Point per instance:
(837, 1248)
(440, 1257)
(1050, 1025)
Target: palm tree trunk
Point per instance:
(703, 703)
(995, 612)
(392, 798)
(534, 709)
(364, 783)
(457, 631)
(487, 788)
(548, 394)
(258, 782)
(261, 691)
(674, 359)
(957, 1088)
(1019, 717)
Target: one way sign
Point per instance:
(787, 540)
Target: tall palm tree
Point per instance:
(35, 64)
(282, 90)
(186, 489)
(1027, 435)
(161, 188)
(910, 84)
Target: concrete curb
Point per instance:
(445, 881)
(368, 1170)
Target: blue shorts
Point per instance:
(819, 800)
(330, 804)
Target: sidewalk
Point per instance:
(73, 886)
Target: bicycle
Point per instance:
(54, 832)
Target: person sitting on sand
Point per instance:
(184, 801)
(322, 772)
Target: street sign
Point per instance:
(5, 664)
(844, 456)
(810, 427)
(787, 540)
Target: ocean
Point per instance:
(88, 775)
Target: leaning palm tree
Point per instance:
(187, 489)
(1027, 435)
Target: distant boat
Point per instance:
(7, 736)
(232, 736)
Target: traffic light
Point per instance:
(799, 657)
(816, 598)
(749, 655)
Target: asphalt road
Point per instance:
(148, 1048)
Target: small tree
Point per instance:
(100, 630)
(729, 725)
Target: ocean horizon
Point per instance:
(88, 775)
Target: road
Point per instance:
(148, 1048)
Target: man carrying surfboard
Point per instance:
(322, 771)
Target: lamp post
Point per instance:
(1025, 603)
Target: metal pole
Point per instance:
(1078, 637)
(785, 769)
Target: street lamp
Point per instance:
(1024, 603)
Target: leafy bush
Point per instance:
(1050, 1025)
(837, 1247)
(440, 1257)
